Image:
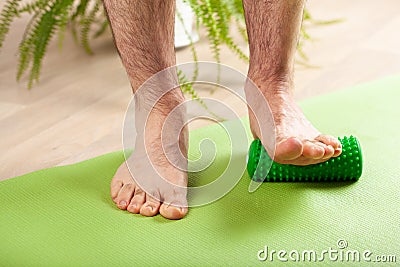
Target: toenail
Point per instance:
(134, 206)
(150, 208)
(122, 203)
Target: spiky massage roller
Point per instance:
(346, 167)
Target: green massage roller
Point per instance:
(346, 167)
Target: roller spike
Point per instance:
(346, 167)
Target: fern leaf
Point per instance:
(7, 15)
(33, 7)
(44, 31)
(29, 8)
(187, 88)
(103, 27)
(192, 48)
(35, 43)
(63, 20)
(79, 13)
(231, 45)
(81, 9)
(86, 24)
(242, 30)
(26, 46)
(25, 55)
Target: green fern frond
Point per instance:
(62, 21)
(29, 8)
(187, 88)
(242, 30)
(192, 47)
(307, 17)
(224, 20)
(216, 16)
(26, 46)
(78, 14)
(103, 27)
(304, 34)
(86, 24)
(49, 18)
(37, 38)
(25, 55)
(234, 47)
(237, 8)
(44, 30)
(7, 15)
(301, 53)
(204, 13)
(47, 28)
(33, 7)
(212, 30)
(81, 9)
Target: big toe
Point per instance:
(288, 149)
(174, 211)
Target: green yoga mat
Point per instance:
(64, 216)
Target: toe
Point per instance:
(330, 140)
(137, 201)
(151, 206)
(173, 212)
(116, 186)
(312, 150)
(288, 149)
(329, 152)
(175, 209)
(125, 195)
(337, 153)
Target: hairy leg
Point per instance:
(144, 36)
(273, 29)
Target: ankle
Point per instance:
(160, 103)
(153, 110)
(272, 82)
(168, 102)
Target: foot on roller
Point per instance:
(346, 167)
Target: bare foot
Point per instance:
(298, 142)
(166, 195)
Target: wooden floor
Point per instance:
(76, 111)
